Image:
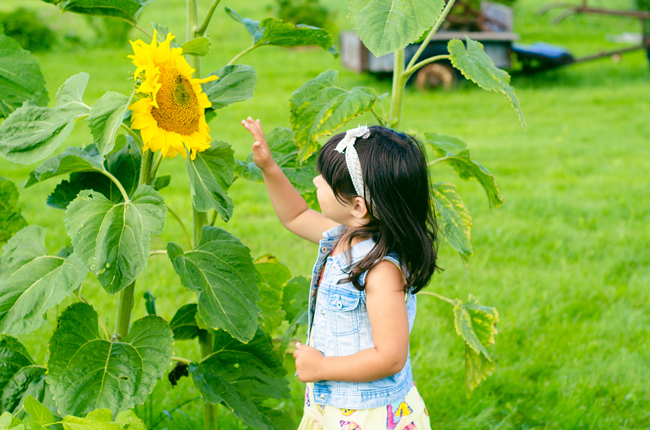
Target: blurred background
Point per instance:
(565, 260)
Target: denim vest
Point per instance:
(339, 318)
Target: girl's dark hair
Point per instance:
(394, 170)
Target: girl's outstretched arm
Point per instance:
(390, 335)
(289, 206)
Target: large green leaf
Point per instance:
(476, 324)
(387, 26)
(127, 10)
(106, 118)
(236, 83)
(32, 133)
(20, 376)
(271, 277)
(222, 274)
(87, 372)
(184, 323)
(124, 165)
(32, 281)
(211, 174)
(21, 78)
(242, 376)
(455, 153)
(273, 31)
(199, 46)
(112, 239)
(39, 414)
(102, 419)
(475, 65)
(11, 221)
(285, 153)
(71, 160)
(295, 298)
(455, 223)
(321, 106)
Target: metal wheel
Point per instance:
(434, 76)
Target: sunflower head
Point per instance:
(170, 112)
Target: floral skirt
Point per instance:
(407, 414)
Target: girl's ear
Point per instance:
(359, 209)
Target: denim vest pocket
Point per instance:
(344, 314)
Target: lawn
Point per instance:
(565, 260)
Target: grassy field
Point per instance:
(566, 259)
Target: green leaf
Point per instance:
(242, 376)
(106, 118)
(11, 221)
(71, 160)
(32, 281)
(476, 324)
(37, 411)
(211, 174)
(161, 182)
(127, 10)
(387, 26)
(161, 34)
(236, 83)
(272, 275)
(321, 106)
(252, 26)
(198, 47)
(285, 153)
(295, 299)
(184, 323)
(86, 372)
(130, 421)
(7, 420)
(123, 164)
(101, 419)
(454, 220)
(112, 239)
(222, 274)
(455, 153)
(476, 66)
(20, 376)
(21, 78)
(32, 133)
(150, 303)
(281, 33)
(275, 32)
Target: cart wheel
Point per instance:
(435, 76)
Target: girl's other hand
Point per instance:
(261, 152)
(308, 363)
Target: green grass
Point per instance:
(565, 259)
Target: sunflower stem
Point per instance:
(206, 21)
(143, 30)
(134, 135)
(180, 221)
(438, 296)
(126, 300)
(154, 171)
(412, 69)
(241, 54)
(435, 28)
(118, 184)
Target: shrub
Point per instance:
(26, 27)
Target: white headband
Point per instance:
(352, 158)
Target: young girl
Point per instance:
(377, 248)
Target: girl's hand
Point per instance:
(261, 152)
(308, 362)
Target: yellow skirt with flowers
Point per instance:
(407, 414)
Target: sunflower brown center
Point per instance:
(179, 109)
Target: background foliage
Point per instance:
(565, 259)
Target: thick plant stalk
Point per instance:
(398, 90)
(126, 301)
(200, 218)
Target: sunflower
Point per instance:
(171, 111)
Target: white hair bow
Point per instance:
(346, 145)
